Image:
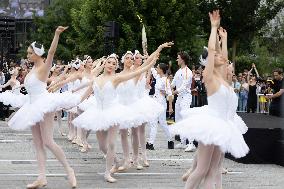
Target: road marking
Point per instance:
(23, 134)
(235, 172)
(143, 173)
(10, 141)
(51, 160)
(158, 159)
(26, 160)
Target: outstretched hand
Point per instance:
(222, 33)
(167, 44)
(61, 29)
(215, 18)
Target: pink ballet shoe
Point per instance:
(114, 169)
(145, 163)
(186, 175)
(125, 166)
(84, 149)
(72, 178)
(37, 184)
(138, 165)
(110, 179)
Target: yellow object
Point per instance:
(262, 99)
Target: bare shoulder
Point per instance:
(212, 86)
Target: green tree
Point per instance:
(243, 19)
(58, 13)
(176, 20)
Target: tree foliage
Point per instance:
(185, 22)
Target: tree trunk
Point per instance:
(234, 52)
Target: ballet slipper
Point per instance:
(79, 142)
(89, 146)
(72, 178)
(74, 140)
(37, 184)
(110, 179)
(125, 166)
(145, 163)
(186, 175)
(114, 169)
(84, 149)
(138, 166)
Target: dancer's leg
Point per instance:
(125, 149)
(218, 181)
(40, 152)
(210, 178)
(142, 141)
(204, 155)
(190, 170)
(110, 156)
(102, 140)
(46, 128)
(59, 121)
(135, 146)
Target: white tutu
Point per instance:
(210, 129)
(32, 113)
(15, 100)
(89, 102)
(239, 122)
(94, 118)
(140, 108)
(215, 124)
(149, 108)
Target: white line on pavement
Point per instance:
(158, 159)
(51, 160)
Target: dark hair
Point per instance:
(278, 70)
(184, 56)
(164, 67)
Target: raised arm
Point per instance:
(60, 84)
(99, 67)
(53, 46)
(124, 77)
(157, 51)
(82, 86)
(148, 64)
(254, 67)
(224, 38)
(248, 76)
(215, 22)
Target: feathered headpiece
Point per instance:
(123, 57)
(76, 64)
(203, 57)
(38, 48)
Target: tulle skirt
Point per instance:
(149, 108)
(15, 100)
(96, 119)
(89, 102)
(203, 125)
(33, 111)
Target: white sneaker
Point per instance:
(190, 148)
(180, 146)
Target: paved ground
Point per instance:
(18, 167)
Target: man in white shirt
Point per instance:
(182, 82)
